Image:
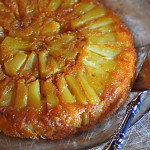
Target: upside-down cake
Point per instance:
(64, 65)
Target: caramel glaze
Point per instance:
(64, 120)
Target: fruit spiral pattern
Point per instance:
(64, 64)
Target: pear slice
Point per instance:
(95, 83)
(113, 38)
(31, 67)
(6, 99)
(113, 27)
(67, 97)
(52, 27)
(55, 66)
(53, 5)
(21, 95)
(69, 54)
(30, 61)
(89, 91)
(36, 24)
(7, 93)
(13, 66)
(24, 34)
(58, 43)
(104, 63)
(75, 89)
(42, 64)
(99, 67)
(105, 29)
(90, 15)
(56, 48)
(83, 7)
(96, 70)
(17, 44)
(108, 38)
(104, 50)
(50, 93)
(103, 21)
(48, 65)
(34, 97)
(69, 3)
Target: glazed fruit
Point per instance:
(64, 65)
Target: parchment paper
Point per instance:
(138, 137)
(136, 15)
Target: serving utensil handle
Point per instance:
(119, 135)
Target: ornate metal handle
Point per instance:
(119, 135)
